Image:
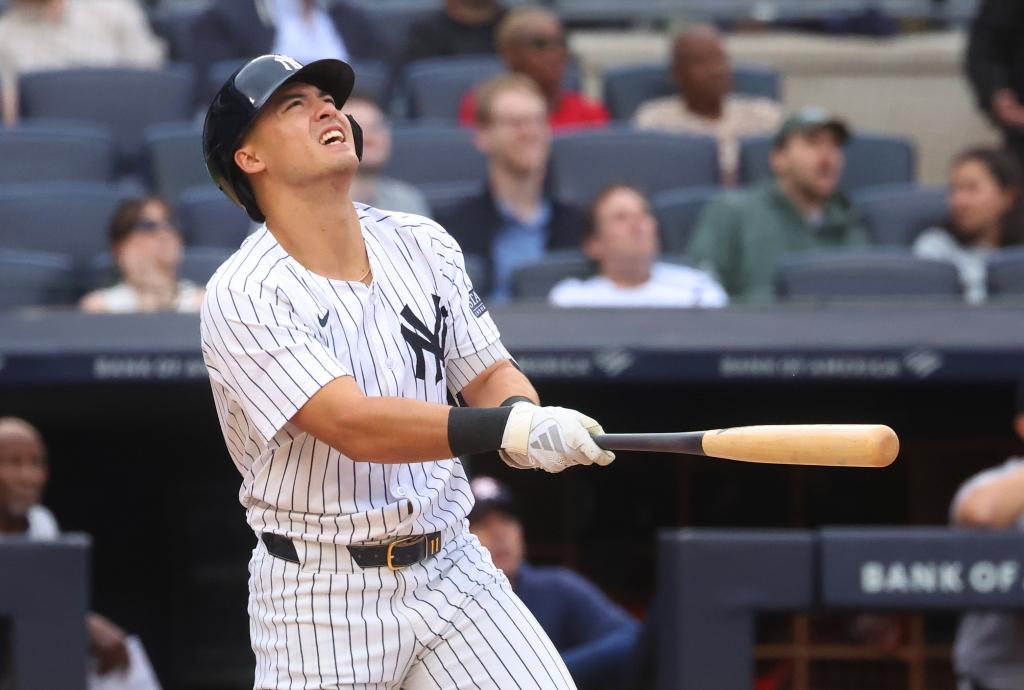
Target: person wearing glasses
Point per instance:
(531, 41)
(147, 249)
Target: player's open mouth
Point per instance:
(332, 137)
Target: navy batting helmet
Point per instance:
(240, 100)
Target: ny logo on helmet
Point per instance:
(288, 63)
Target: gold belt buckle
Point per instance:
(404, 541)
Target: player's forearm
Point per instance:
(499, 382)
(391, 430)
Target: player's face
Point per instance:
(299, 138)
(376, 135)
(626, 230)
(518, 136)
(811, 162)
(23, 471)
(502, 535)
(976, 200)
(539, 52)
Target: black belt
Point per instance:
(395, 555)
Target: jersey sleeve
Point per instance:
(258, 349)
(474, 342)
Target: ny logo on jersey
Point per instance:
(421, 339)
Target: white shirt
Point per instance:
(971, 262)
(306, 38)
(274, 333)
(668, 286)
(124, 299)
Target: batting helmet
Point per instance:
(239, 102)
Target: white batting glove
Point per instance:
(550, 438)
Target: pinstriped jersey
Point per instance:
(274, 333)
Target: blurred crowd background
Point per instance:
(677, 154)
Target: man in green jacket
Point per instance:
(742, 234)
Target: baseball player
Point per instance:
(333, 337)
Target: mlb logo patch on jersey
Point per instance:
(476, 304)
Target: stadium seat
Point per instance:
(434, 87)
(534, 281)
(871, 159)
(174, 25)
(833, 275)
(200, 263)
(584, 162)
(70, 218)
(30, 278)
(207, 218)
(56, 152)
(174, 157)
(627, 86)
(677, 212)
(125, 100)
(897, 214)
(1006, 273)
(393, 21)
(445, 195)
(434, 153)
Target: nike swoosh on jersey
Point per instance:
(323, 319)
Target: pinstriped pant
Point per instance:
(450, 622)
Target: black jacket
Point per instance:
(995, 52)
(438, 35)
(231, 29)
(474, 223)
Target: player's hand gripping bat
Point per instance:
(838, 445)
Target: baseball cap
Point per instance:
(490, 494)
(806, 119)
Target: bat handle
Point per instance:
(685, 442)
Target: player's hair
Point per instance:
(516, 21)
(590, 218)
(1006, 171)
(127, 215)
(489, 91)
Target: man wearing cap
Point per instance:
(989, 649)
(595, 636)
(741, 235)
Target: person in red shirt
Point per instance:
(531, 41)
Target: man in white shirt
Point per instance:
(622, 239)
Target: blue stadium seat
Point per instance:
(871, 159)
(207, 218)
(677, 212)
(897, 214)
(174, 158)
(125, 100)
(70, 218)
(393, 20)
(832, 275)
(29, 278)
(434, 87)
(434, 153)
(1006, 273)
(583, 162)
(534, 281)
(174, 24)
(198, 264)
(627, 86)
(56, 152)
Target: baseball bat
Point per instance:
(836, 445)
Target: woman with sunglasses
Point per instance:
(147, 249)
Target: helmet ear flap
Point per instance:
(357, 136)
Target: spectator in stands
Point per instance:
(985, 214)
(24, 471)
(57, 34)
(704, 103)
(995, 65)
(304, 29)
(512, 221)
(989, 649)
(369, 186)
(531, 41)
(621, 236)
(147, 249)
(461, 27)
(741, 234)
(595, 637)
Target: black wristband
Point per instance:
(509, 402)
(476, 429)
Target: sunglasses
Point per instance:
(546, 42)
(148, 225)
